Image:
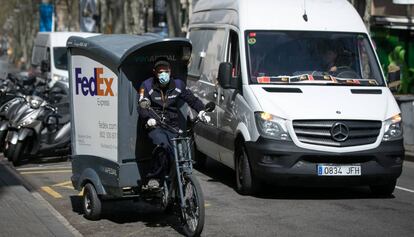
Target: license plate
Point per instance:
(339, 170)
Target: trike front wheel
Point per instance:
(193, 213)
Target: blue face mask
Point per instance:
(164, 78)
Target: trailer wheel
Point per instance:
(92, 205)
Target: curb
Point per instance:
(61, 219)
(55, 213)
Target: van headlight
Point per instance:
(393, 129)
(60, 78)
(272, 126)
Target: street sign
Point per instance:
(46, 17)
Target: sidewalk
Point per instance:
(25, 213)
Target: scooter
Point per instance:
(40, 130)
(6, 110)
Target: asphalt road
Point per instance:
(278, 212)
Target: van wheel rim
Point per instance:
(88, 204)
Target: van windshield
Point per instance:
(60, 58)
(306, 57)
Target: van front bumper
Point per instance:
(283, 162)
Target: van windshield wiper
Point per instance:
(315, 79)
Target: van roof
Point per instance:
(58, 39)
(323, 15)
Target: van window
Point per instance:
(38, 54)
(233, 54)
(60, 58)
(327, 58)
(211, 43)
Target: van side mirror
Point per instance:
(44, 66)
(225, 78)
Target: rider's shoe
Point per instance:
(153, 184)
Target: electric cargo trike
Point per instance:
(112, 154)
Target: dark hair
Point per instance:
(161, 62)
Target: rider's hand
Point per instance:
(202, 115)
(151, 122)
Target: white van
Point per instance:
(49, 53)
(301, 98)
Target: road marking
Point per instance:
(66, 184)
(404, 189)
(62, 184)
(46, 172)
(81, 192)
(207, 204)
(51, 192)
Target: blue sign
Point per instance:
(46, 17)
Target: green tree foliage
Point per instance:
(397, 58)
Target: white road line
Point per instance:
(404, 189)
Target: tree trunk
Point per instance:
(173, 17)
(116, 9)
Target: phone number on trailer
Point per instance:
(109, 135)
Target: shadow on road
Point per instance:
(218, 172)
(128, 211)
(9, 177)
(44, 160)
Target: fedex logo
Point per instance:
(93, 86)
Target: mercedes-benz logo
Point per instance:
(339, 132)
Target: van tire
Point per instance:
(200, 159)
(91, 203)
(384, 189)
(246, 183)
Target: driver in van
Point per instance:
(337, 60)
(164, 93)
(329, 57)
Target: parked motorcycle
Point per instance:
(38, 129)
(6, 110)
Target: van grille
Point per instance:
(337, 133)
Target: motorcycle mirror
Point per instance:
(145, 103)
(210, 106)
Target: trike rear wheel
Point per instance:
(193, 213)
(92, 205)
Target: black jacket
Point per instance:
(166, 101)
